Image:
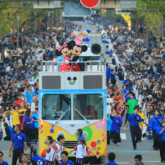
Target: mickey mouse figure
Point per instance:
(63, 52)
(76, 53)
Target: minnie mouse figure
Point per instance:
(63, 52)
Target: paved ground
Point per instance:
(124, 153)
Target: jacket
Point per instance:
(155, 122)
(162, 135)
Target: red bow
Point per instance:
(63, 46)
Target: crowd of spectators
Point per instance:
(140, 67)
(19, 80)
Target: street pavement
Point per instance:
(124, 153)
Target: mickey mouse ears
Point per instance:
(96, 49)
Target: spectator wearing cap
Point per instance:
(2, 162)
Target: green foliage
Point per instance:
(151, 18)
(5, 25)
(4, 18)
(8, 16)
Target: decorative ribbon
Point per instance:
(63, 46)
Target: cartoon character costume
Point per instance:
(65, 66)
(63, 52)
(79, 38)
(76, 53)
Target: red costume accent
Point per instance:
(76, 67)
(65, 66)
(63, 46)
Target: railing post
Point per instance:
(85, 66)
(98, 66)
(41, 66)
(52, 66)
(91, 66)
(46, 66)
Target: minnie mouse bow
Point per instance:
(63, 46)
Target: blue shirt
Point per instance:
(130, 88)
(80, 137)
(36, 123)
(113, 75)
(32, 126)
(125, 91)
(113, 61)
(108, 70)
(134, 120)
(109, 123)
(125, 81)
(128, 98)
(29, 98)
(67, 163)
(18, 140)
(120, 69)
(111, 163)
(11, 131)
(142, 163)
(27, 120)
(39, 160)
(116, 123)
(162, 135)
(4, 163)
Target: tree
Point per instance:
(4, 18)
(153, 19)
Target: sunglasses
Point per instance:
(0, 155)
